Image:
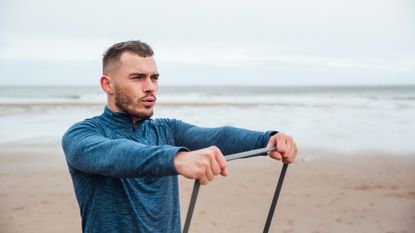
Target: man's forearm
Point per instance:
(228, 139)
(122, 158)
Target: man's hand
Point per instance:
(203, 164)
(286, 148)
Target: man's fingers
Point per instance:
(224, 172)
(214, 164)
(275, 155)
(287, 152)
(290, 154)
(203, 164)
(221, 162)
(293, 153)
(286, 147)
(209, 175)
(282, 145)
(203, 180)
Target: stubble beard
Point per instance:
(131, 106)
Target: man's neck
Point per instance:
(115, 108)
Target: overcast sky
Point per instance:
(292, 42)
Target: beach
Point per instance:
(355, 171)
(329, 193)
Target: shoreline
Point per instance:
(164, 103)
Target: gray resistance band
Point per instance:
(246, 154)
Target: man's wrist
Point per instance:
(268, 135)
(178, 161)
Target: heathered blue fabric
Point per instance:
(124, 176)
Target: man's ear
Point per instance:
(106, 84)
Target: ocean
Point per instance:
(346, 119)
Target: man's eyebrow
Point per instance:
(143, 74)
(137, 74)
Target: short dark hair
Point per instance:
(114, 52)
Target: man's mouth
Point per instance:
(149, 101)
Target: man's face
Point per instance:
(135, 85)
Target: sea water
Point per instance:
(343, 119)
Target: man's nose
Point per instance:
(149, 85)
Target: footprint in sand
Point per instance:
(18, 208)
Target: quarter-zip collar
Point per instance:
(121, 119)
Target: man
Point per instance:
(124, 165)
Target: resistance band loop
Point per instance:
(231, 157)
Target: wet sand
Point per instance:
(327, 192)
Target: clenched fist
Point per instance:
(286, 148)
(203, 164)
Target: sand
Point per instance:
(327, 192)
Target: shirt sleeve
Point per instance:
(89, 151)
(228, 139)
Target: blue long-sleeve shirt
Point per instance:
(124, 175)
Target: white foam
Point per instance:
(347, 122)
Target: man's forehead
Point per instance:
(133, 61)
(132, 57)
